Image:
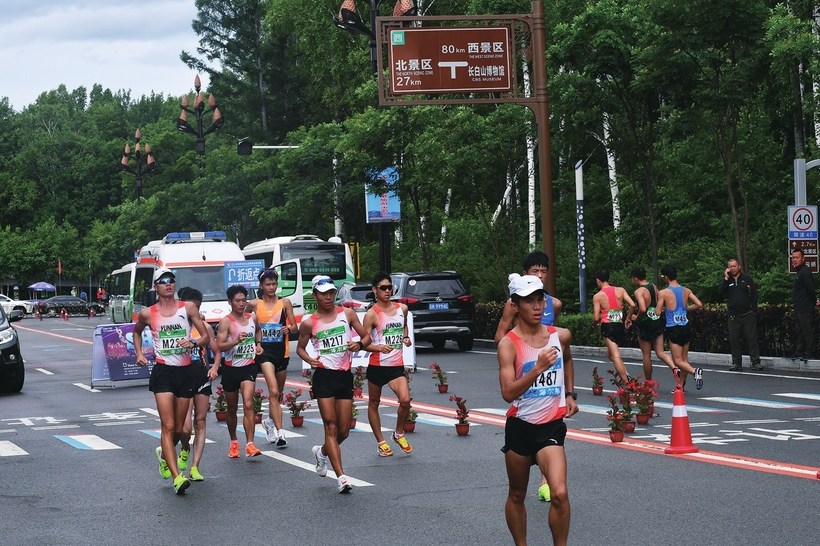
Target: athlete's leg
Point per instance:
(276, 403)
(518, 474)
(553, 462)
(614, 354)
(247, 388)
(274, 393)
(374, 393)
(402, 390)
(232, 401)
(187, 426)
(201, 406)
(646, 354)
(336, 419)
(166, 407)
(661, 354)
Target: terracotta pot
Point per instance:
(643, 418)
(357, 392)
(220, 415)
(257, 418)
(353, 423)
(443, 388)
(597, 391)
(462, 429)
(409, 426)
(297, 420)
(616, 435)
(629, 426)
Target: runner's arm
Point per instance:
(512, 388)
(406, 339)
(143, 320)
(565, 336)
(305, 331)
(287, 307)
(696, 304)
(223, 330)
(364, 335)
(506, 322)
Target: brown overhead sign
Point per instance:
(450, 60)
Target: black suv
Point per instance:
(12, 369)
(442, 306)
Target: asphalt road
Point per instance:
(753, 481)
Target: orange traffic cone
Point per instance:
(91, 313)
(681, 441)
(65, 314)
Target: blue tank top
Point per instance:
(677, 316)
(548, 318)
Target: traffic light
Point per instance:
(244, 147)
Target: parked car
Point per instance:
(12, 369)
(358, 296)
(72, 304)
(442, 306)
(9, 305)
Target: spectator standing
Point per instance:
(83, 296)
(803, 299)
(741, 301)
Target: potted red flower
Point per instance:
(439, 374)
(296, 407)
(462, 427)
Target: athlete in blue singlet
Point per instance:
(673, 300)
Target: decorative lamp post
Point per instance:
(198, 112)
(150, 164)
(350, 21)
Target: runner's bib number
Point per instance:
(614, 315)
(680, 320)
(246, 349)
(331, 341)
(546, 384)
(650, 312)
(393, 337)
(170, 340)
(272, 333)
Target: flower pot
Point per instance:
(297, 420)
(409, 426)
(598, 391)
(310, 392)
(357, 392)
(643, 418)
(353, 423)
(629, 426)
(616, 435)
(462, 429)
(220, 415)
(257, 418)
(443, 388)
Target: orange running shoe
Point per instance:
(251, 450)
(233, 452)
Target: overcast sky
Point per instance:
(120, 45)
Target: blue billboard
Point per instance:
(381, 201)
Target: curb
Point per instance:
(708, 359)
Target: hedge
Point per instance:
(776, 329)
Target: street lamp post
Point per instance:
(150, 164)
(350, 21)
(198, 111)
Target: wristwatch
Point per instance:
(574, 395)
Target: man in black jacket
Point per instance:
(804, 301)
(741, 299)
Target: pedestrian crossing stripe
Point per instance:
(601, 410)
(359, 426)
(8, 449)
(311, 467)
(157, 433)
(259, 431)
(806, 395)
(87, 441)
(758, 403)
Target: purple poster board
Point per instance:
(117, 343)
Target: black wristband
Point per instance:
(574, 395)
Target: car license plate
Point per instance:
(439, 306)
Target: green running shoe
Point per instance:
(181, 483)
(164, 471)
(182, 461)
(195, 475)
(544, 493)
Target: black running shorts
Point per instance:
(648, 330)
(332, 384)
(679, 335)
(526, 439)
(179, 380)
(382, 375)
(280, 363)
(614, 331)
(232, 377)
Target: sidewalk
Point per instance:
(696, 359)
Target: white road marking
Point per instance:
(311, 467)
(8, 449)
(115, 423)
(86, 387)
(150, 411)
(87, 441)
(55, 427)
(44, 371)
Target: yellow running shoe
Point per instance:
(181, 483)
(384, 449)
(195, 475)
(544, 493)
(182, 460)
(164, 471)
(403, 443)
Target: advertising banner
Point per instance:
(244, 273)
(381, 201)
(114, 356)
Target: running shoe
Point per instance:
(384, 449)
(321, 461)
(195, 475)
(544, 493)
(344, 485)
(251, 450)
(182, 460)
(676, 373)
(233, 451)
(698, 378)
(270, 430)
(403, 444)
(181, 483)
(281, 440)
(164, 471)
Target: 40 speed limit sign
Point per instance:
(803, 234)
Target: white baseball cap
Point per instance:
(163, 272)
(526, 285)
(322, 283)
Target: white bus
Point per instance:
(315, 257)
(120, 288)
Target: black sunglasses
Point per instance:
(385, 287)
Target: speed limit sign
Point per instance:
(803, 222)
